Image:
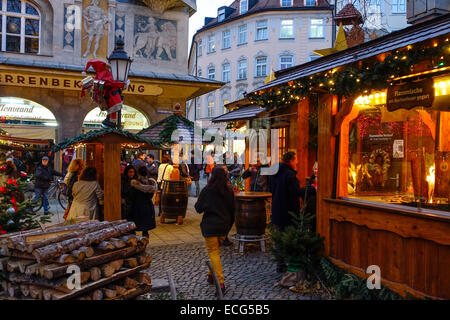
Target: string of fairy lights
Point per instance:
(356, 79)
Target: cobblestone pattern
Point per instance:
(250, 276)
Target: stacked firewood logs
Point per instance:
(46, 264)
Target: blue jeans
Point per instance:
(197, 188)
(44, 194)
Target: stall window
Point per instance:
(19, 27)
(397, 157)
(282, 142)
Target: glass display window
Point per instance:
(398, 157)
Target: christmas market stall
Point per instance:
(384, 154)
(102, 150)
(175, 136)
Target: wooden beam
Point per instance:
(303, 169)
(112, 182)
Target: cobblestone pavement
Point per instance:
(250, 276)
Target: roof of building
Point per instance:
(243, 113)
(160, 133)
(263, 6)
(91, 136)
(348, 14)
(76, 68)
(399, 39)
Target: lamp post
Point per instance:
(120, 64)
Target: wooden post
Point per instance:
(247, 156)
(303, 170)
(325, 155)
(112, 181)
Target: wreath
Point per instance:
(386, 161)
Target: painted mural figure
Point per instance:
(146, 38)
(95, 21)
(165, 41)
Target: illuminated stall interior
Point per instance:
(399, 157)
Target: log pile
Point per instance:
(102, 257)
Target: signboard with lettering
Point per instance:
(410, 95)
(50, 81)
(132, 119)
(21, 109)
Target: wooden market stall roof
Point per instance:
(243, 113)
(125, 138)
(160, 133)
(439, 26)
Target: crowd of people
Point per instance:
(143, 176)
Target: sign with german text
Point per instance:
(410, 95)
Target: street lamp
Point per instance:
(120, 64)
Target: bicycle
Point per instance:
(57, 191)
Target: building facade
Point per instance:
(44, 47)
(379, 16)
(249, 40)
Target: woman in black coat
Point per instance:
(128, 174)
(216, 201)
(142, 211)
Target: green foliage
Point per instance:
(349, 286)
(298, 245)
(352, 80)
(23, 218)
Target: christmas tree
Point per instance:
(15, 212)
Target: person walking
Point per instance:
(43, 176)
(286, 193)
(128, 174)
(216, 202)
(194, 173)
(142, 211)
(86, 195)
(74, 170)
(152, 166)
(209, 164)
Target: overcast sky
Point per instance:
(205, 8)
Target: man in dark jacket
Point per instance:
(140, 161)
(194, 173)
(286, 193)
(43, 177)
(152, 166)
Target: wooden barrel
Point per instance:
(174, 199)
(250, 217)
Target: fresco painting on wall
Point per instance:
(154, 38)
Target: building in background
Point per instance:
(380, 17)
(44, 47)
(249, 40)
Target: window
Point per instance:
(226, 39)
(242, 39)
(199, 48)
(211, 107)
(199, 110)
(282, 142)
(19, 27)
(286, 3)
(261, 67)
(286, 62)
(316, 29)
(242, 69)
(226, 71)
(225, 101)
(221, 16)
(400, 157)
(374, 6)
(212, 73)
(287, 29)
(310, 3)
(244, 6)
(211, 44)
(261, 30)
(398, 6)
(199, 72)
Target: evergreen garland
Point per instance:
(352, 80)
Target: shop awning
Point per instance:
(243, 113)
(399, 39)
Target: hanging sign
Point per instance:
(410, 95)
